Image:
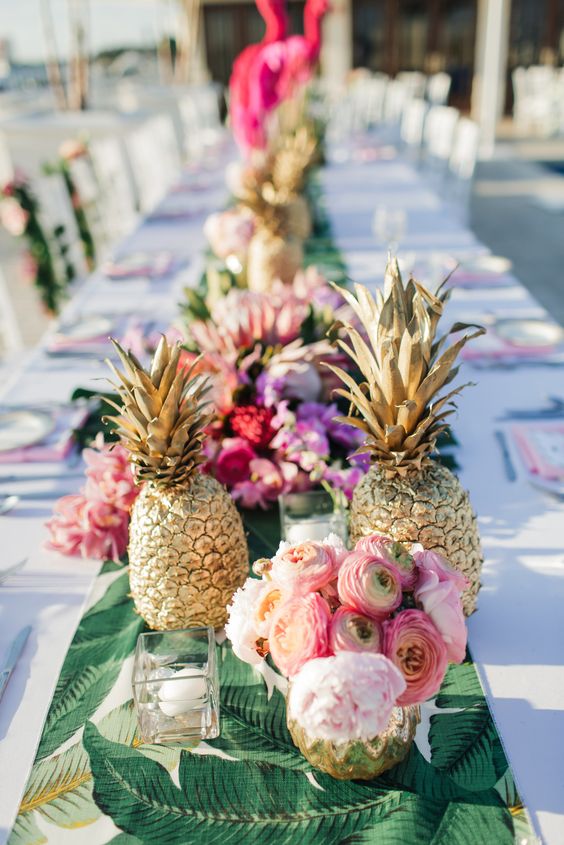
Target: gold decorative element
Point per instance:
(358, 759)
(404, 366)
(187, 547)
(271, 257)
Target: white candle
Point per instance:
(309, 529)
(179, 692)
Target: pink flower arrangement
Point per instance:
(276, 431)
(95, 522)
(357, 632)
(230, 232)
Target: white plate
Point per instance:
(488, 264)
(86, 329)
(529, 332)
(24, 428)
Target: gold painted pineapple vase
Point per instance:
(358, 759)
(187, 554)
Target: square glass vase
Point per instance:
(311, 516)
(176, 686)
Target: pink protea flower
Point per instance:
(109, 475)
(13, 217)
(352, 631)
(299, 632)
(233, 461)
(370, 585)
(346, 697)
(229, 232)
(304, 567)
(93, 529)
(441, 602)
(413, 643)
(395, 553)
(240, 627)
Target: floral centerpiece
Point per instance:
(275, 432)
(363, 638)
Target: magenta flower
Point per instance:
(233, 463)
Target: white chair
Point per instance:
(439, 130)
(117, 202)
(155, 160)
(56, 216)
(462, 163)
(397, 95)
(438, 88)
(412, 124)
(200, 117)
(11, 340)
(414, 81)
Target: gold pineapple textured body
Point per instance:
(188, 554)
(400, 407)
(187, 548)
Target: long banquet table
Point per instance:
(515, 637)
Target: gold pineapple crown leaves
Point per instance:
(292, 161)
(403, 367)
(162, 418)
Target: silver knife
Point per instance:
(14, 654)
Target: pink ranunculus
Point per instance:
(13, 217)
(346, 697)
(109, 476)
(434, 562)
(370, 585)
(92, 529)
(233, 462)
(229, 232)
(240, 627)
(441, 601)
(304, 567)
(413, 643)
(299, 632)
(395, 553)
(352, 631)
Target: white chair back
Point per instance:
(412, 123)
(11, 340)
(465, 147)
(414, 81)
(116, 200)
(58, 221)
(155, 160)
(438, 88)
(439, 130)
(397, 94)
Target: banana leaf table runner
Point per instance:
(93, 782)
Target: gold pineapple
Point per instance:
(187, 547)
(404, 367)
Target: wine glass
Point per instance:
(389, 226)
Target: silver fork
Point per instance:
(6, 573)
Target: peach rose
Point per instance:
(380, 545)
(271, 596)
(299, 632)
(370, 585)
(305, 567)
(413, 643)
(352, 631)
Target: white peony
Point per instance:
(346, 697)
(240, 627)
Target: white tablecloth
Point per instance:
(517, 634)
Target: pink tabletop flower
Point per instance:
(434, 562)
(109, 476)
(91, 529)
(240, 627)
(352, 631)
(346, 697)
(305, 567)
(233, 462)
(271, 597)
(414, 644)
(299, 632)
(441, 601)
(395, 553)
(370, 585)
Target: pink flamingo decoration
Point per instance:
(302, 51)
(248, 102)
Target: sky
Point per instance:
(113, 23)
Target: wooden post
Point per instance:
(52, 63)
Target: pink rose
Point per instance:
(441, 601)
(434, 562)
(395, 553)
(233, 462)
(92, 529)
(305, 567)
(370, 585)
(109, 477)
(346, 697)
(414, 644)
(352, 631)
(299, 632)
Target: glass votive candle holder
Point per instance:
(176, 686)
(311, 516)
